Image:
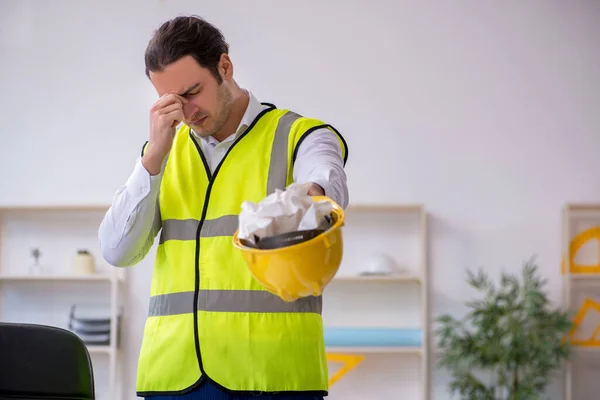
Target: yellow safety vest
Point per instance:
(208, 318)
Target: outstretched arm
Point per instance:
(319, 160)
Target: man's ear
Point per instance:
(226, 67)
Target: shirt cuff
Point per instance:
(328, 189)
(142, 183)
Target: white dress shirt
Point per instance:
(130, 226)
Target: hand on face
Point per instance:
(208, 100)
(165, 115)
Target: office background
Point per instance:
(487, 113)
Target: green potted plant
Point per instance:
(509, 343)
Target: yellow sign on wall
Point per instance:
(348, 361)
(590, 309)
(576, 244)
(587, 310)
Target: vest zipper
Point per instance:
(211, 180)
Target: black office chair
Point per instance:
(40, 362)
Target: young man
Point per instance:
(212, 331)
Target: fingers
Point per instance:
(170, 108)
(173, 118)
(182, 99)
(166, 100)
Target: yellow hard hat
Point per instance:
(300, 269)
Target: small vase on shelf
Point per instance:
(35, 268)
(84, 263)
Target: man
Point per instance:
(212, 331)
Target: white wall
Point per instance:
(486, 112)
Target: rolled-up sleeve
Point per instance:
(319, 160)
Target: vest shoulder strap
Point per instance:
(311, 125)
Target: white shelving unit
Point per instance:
(404, 278)
(580, 249)
(376, 349)
(365, 301)
(46, 297)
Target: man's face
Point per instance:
(208, 102)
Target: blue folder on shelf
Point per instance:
(380, 337)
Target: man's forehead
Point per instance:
(179, 76)
(173, 83)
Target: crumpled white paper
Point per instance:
(282, 212)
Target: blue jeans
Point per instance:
(208, 391)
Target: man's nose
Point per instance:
(189, 110)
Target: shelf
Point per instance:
(583, 279)
(54, 208)
(595, 207)
(410, 208)
(379, 316)
(75, 278)
(577, 231)
(579, 277)
(374, 349)
(586, 349)
(99, 349)
(378, 278)
(60, 232)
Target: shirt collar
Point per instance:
(254, 108)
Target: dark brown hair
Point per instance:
(183, 36)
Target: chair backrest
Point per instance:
(40, 362)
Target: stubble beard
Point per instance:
(225, 99)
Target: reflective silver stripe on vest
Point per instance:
(222, 226)
(231, 301)
(185, 229)
(279, 153)
(177, 229)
